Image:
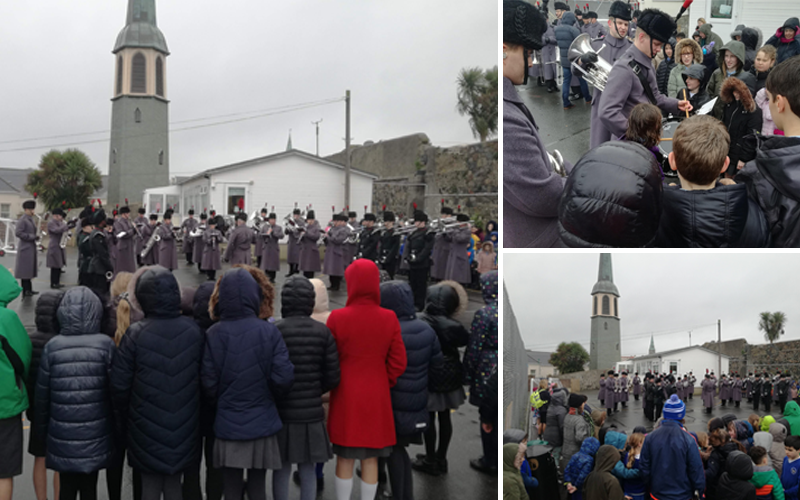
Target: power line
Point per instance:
(274, 111)
(634, 336)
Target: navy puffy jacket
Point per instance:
(245, 361)
(73, 404)
(156, 379)
(46, 328)
(566, 33)
(410, 394)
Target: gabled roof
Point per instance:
(273, 157)
(13, 180)
(670, 353)
(539, 357)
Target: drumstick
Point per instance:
(685, 99)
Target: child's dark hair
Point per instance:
(644, 125)
(757, 454)
(782, 80)
(792, 442)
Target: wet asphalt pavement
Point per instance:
(461, 482)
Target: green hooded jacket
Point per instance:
(711, 37)
(791, 413)
(13, 395)
(767, 482)
(513, 487)
(766, 422)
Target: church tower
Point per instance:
(605, 337)
(139, 150)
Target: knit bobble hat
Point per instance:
(576, 400)
(674, 408)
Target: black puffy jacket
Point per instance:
(312, 351)
(440, 305)
(761, 78)
(612, 198)
(750, 41)
(156, 379)
(723, 217)
(46, 328)
(735, 481)
(662, 73)
(73, 404)
(410, 394)
(716, 465)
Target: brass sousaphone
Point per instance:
(597, 75)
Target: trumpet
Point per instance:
(438, 224)
(153, 240)
(407, 229)
(198, 232)
(456, 225)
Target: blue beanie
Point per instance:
(674, 408)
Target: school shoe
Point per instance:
(29, 293)
(479, 465)
(422, 464)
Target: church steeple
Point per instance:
(141, 29)
(604, 349)
(652, 346)
(605, 277)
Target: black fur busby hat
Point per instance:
(420, 216)
(446, 211)
(203, 216)
(29, 205)
(659, 25)
(388, 216)
(296, 211)
(264, 210)
(561, 6)
(462, 217)
(272, 216)
(523, 24)
(168, 215)
(60, 212)
(98, 217)
(310, 215)
(370, 217)
(241, 216)
(191, 211)
(141, 211)
(153, 216)
(352, 215)
(126, 210)
(591, 15)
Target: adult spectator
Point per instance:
(554, 433)
(576, 429)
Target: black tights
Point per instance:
(212, 274)
(55, 275)
(233, 480)
(445, 433)
(271, 275)
(400, 473)
(73, 483)
(336, 282)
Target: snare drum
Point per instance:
(668, 127)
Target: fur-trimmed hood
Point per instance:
(698, 52)
(734, 84)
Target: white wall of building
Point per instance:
(765, 15)
(689, 360)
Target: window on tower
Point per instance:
(595, 305)
(119, 75)
(161, 157)
(606, 305)
(139, 74)
(114, 155)
(160, 77)
(615, 307)
(137, 116)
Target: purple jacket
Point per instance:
(624, 91)
(531, 190)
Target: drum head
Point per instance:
(668, 128)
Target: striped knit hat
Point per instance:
(674, 408)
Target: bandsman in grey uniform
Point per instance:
(633, 79)
(187, 226)
(309, 250)
(56, 256)
(549, 61)
(240, 241)
(126, 244)
(211, 238)
(592, 27)
(441, 249)
(458, 260)
(334, 251)
(293, 247)
(197, 241)
(260, 241)
(349, 250)
(270, 258)
(139, 222)
(148, 232)
(167, 252)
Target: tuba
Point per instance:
(558, 162)
(598, 74)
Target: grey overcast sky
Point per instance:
(673, 293)
(399, 59)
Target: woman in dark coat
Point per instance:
(47, 327)
(303, 439)
(785, 39)
(742, 118)
(155, 380)
(245, 364)
(73, 402)
(446, 387)
(410, 394)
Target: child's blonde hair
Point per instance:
(634, 441)
(755, 421)
(702, 440)
(119, 287)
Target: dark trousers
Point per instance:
(293, 269)
(189, 258)
(153, 485)
(256, 483)
(418, 279)
(308, 274)
(26, 285)
(756, 401)
(212, 274)
(336, 282)
(636, 397)
(73, 483)
(191, 478)
(258, 262)
(489, 443)
(55, 276)
(658, 409)
(782, 402)
(767, 404)
(270, 274)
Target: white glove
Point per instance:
(122, 234)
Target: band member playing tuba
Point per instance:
(351, 247)
(149, 232)
(260, 240)
(334, 251)
(56, 256)
(270, 258)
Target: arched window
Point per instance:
(139, 74)
(615, 308)
(606, 305)
(119, 75)
(160, 77)
(161, 157)
(137, 116)
(595, 305)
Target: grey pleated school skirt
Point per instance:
(304, 443)
(261, 453)
(443, 401)
(361, 453)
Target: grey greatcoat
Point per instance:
(138, 242)
(56, 256)
(612, 49)
(197, 244)
(441, 250)
(126, 246)
(549, 53)
(624, 91)
(239, 245)
(458, 259)
(27, 266)
(111, 242)
(151, 258)
(270, 248)
(293, 247)
(211, 239)
(187, 227)
(334, 251)
(167, 253)
(708, 386)
(595, 30)
(309, 251)
(623, 388)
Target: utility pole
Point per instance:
(719, 348)
(317, 125)
(347, 150)
(690, 338)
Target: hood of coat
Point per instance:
(696, 71)
(363, 283)
(510, 451)
(320, 297)
(200, 305)
(568, 18)
(398, 297)
(590, 446)
(761, 475)
(559, 398)
(445, 299)
(491, 227)
(158, 293)
(773, 156)
(616, 439)
(732, 85)
(489, 287)
(46, 311)
(672, 43)
(766, 422)
(762, 439)
(606, 458)
(778, 431)
(239, 295)
(750, 38)
(696, 50)
(187, 300)
(739, 466)
(80, 312)
(513, 436)
(706, 30)
(132, 300)
(297, 297)
(736, 48)
(9, 288)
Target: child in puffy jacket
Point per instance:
(765, 479)
(579, 467)
(634, 488)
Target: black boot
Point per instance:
(737, 404)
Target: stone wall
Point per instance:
(746, 358)
(582, 381)
(398, 157)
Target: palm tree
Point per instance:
(477, 98)
(772, 325)
(64, 179)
